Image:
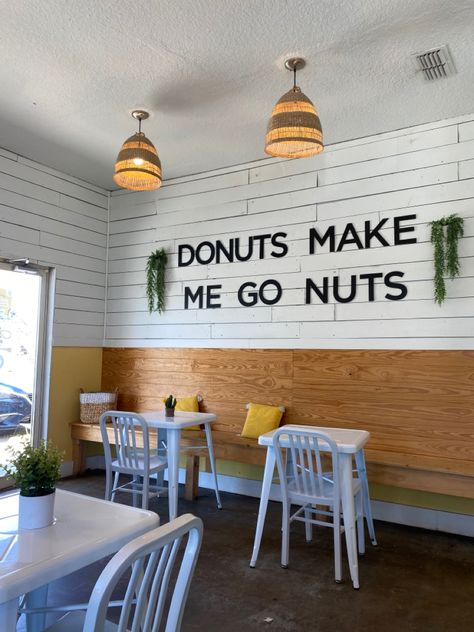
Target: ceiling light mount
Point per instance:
(140, 115)
(295, 63)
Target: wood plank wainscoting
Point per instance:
(417, 405)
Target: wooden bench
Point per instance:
(384, 467)
(227, 446)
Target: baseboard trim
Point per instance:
(436, 520)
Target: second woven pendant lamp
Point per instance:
(294, 129)
(138, 166)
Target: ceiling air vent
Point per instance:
(435, 63)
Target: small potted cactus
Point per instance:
(170, 404)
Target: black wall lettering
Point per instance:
(264, 286)
(279, 244)
(227, 252)
(205, 258)
(252, 296)
(323, 294)
(181, 255)
(315, 236)
(398, 230)
(374, 233)
(249, 252)
(212, 296)
(193, 297)
(396, 286)
(352, 293)
(262, 239)
(349, 236)
(371, 276)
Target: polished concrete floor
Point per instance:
(415, 580)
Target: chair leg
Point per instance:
(308, 526)
(145, 487)
(108, 484)
(115, 485)
(360, 523)
(285, 535)
(337, 545)
(135, 485)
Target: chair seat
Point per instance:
(157, 463)
(74, 622)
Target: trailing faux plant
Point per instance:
(155, 280)
(34, 470)
(445, 234)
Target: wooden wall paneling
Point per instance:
(417, 405)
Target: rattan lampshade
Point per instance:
(294, 129)
(138, 167)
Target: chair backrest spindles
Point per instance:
(152, 559)
(127, 429)
(304, 473)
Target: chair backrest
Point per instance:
(127, 439)
(303, 467)
(150, 559)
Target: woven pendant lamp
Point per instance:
(294, 129)
(138, 167)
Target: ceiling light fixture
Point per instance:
(294, 129)
(138, 167)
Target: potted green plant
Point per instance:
(170, 405)
(35, 471)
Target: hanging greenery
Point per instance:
(445, 234)
(155, 280)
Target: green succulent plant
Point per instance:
(170, 402)
(34, 470)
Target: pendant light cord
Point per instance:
(294, 78)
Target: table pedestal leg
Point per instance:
(8, 615)
(262, 510)
(362, 473)
(347, 500)
(174, 437)
(36, 599)
(210, 449)
(160, 439)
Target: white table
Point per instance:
(349, 443)
(85, 530)
(173, 427)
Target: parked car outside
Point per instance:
(15, 407)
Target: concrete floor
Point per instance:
(415, 580)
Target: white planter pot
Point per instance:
(36, 512)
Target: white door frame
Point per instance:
(40, 404)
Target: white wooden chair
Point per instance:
(130, 459)
(305, 483)
(149, 560)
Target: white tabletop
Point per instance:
(85, 530)
(181, 420)
(348, 441)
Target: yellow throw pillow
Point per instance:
(261, 419)
(188, 405)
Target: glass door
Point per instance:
(24, 352)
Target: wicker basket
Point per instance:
(94, 404)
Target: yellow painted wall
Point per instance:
(72, 368)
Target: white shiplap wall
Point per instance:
(58, 221)
(427, 171)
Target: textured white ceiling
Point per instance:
(210, 72)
